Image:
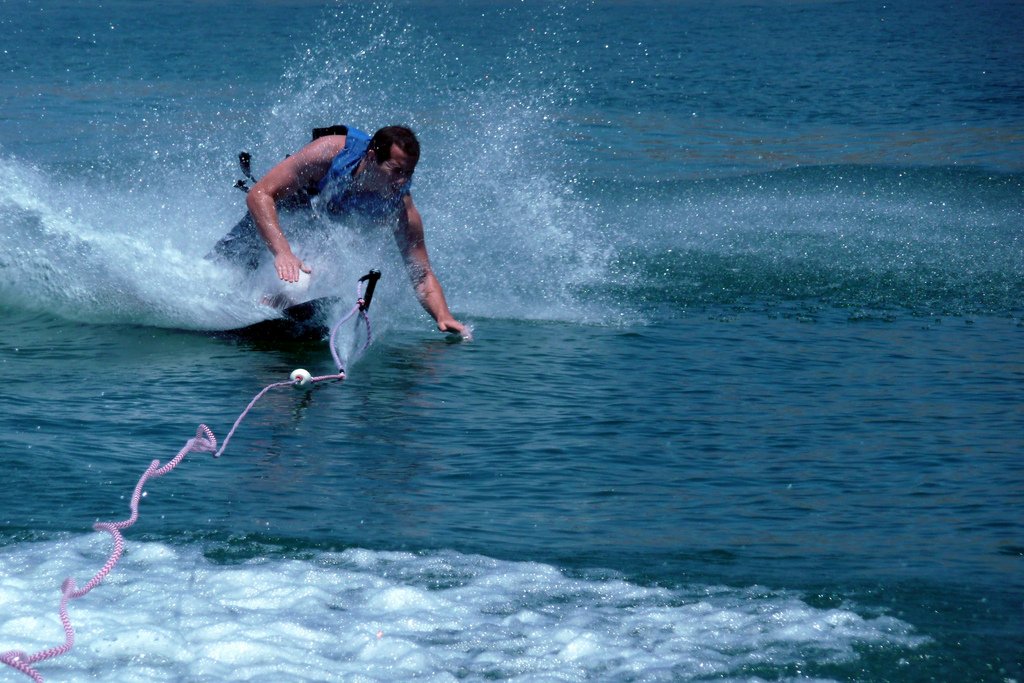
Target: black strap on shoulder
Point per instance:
(330, 130)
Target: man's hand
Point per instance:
(288, 266)
(453, 326)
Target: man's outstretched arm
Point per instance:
(409, 235)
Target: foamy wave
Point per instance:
(167, 613)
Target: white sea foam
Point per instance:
(169, 614)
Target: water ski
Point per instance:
(308, 320)
(305, 321)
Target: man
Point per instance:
(348, 173)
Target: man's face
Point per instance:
(388, 177)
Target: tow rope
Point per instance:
(203, 442)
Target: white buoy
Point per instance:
(302, 376)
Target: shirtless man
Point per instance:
(349, 173)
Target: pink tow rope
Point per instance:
(203, 442)
(300, 377)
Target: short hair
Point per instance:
(406, 140)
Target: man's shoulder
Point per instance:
(407, 207)
(408, 215)
(321, 151)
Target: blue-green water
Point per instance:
(745, 399)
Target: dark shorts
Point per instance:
(242, 246)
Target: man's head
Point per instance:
(393, 152)
(401, 136)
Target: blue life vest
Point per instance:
(336, 195)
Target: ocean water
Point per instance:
(745, 397)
